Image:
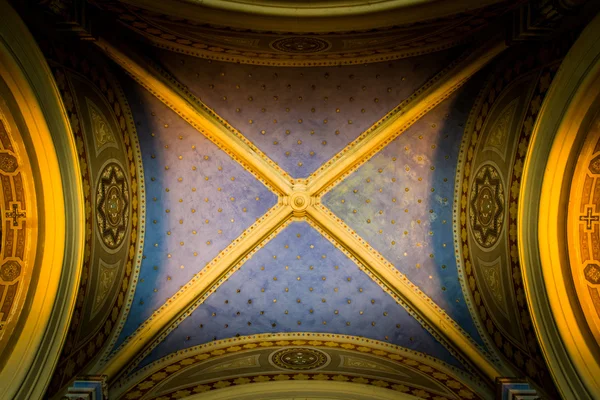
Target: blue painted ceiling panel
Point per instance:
(199, 201)
(300, 282)
(302, 117)
(401, 202)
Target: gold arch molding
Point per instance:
(583, 219)
(314, 16)
(495, 142)
(312, 390)
(108, 152)
(18, 212)
(557, 231)
(250, 360)
(42, 214)
(292, 39)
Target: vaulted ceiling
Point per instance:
(271, 205)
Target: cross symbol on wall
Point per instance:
(15, 214)
(588, 218)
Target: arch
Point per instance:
(566, 341)
(303, 390)
(59, 227)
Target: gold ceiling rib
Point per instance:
(300, 199)
(416, 301)
(184, 299)
(401, 118)
(199, 116)
(360, 151)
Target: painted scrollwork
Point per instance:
(10, 270)
(303, 45)
(487, 206)
(299, 359)
(112, 205)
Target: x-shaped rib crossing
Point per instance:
(300, 199)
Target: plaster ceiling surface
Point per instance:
(401, 202)
(199, 201)
(298, 279)
(299, 117)
(300, 282)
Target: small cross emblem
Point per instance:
(589, 219)
(15, 215)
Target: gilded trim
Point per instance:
(422, 308)
(138, 384)
(523, 358)
(72, 359)
(393, 124)
(205, 120)
(543, 198)
(192, 294)
(18, 214)
(443, 33)
(217, 384)
(27, 372)
(287, 388)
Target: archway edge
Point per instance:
(311, 16)
(303, 390)
(51, 147)
(543, 251)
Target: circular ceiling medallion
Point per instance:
(8, 162)
(112, 205)
(299, 358)
(300, 201)
(487, 206)
(300, 45)
(10, 271)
